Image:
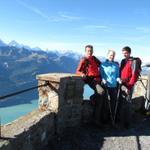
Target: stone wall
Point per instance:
(63, 95)
(139, 94)
(28, 132)
(61, 106)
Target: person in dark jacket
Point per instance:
(127, 74)
(128, 77)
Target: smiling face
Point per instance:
(111, 55)
(126, 54)
(88, 51)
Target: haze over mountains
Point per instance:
(20, 64)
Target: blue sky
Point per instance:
(70, 25)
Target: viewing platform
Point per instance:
(64, 119)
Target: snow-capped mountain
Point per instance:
(14, 44)
(17, 45)
(36, 49)
(2, 43)
(19, 67)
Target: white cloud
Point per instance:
(143, 29)
(33, 9)
(141, 11)
(60, 16)
(65, 16)
(95, 27)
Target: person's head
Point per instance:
(88, 50)
(126, 51)
(111, 55)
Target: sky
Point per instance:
(70, 25)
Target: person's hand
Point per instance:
(119, 80)
(83, 75)
(104, 81)
(125, 89)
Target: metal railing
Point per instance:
(20, 92)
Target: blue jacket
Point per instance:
(110, 72)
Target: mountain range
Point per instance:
(20, 64)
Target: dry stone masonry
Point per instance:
(61, 106)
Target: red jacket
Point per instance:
(128, 75)
(89, 67)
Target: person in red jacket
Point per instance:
(88, 69)
(127, 74)
(128, 77)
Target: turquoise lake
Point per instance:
(11, 113)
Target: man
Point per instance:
(88, 69)
(128, 75)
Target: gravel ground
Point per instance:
(90, 137)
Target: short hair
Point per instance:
(110, 50)
(127, 48)
(89, 46)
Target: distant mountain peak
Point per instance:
(17, 45)
(36, 49)
(14, 44)
(2, 43)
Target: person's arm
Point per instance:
(80, 68)
(132, 80)
(117, 70)
(118, 79)
(102, 74)
(97, 60)
(121, 66)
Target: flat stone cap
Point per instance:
(56, 76)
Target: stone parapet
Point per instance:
(31, 131)
(62, 95)
(61, 106)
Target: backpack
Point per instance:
(136, 66)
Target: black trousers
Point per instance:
(94, 85)
(125, 111)
(113, 97)
(98, 97)
(109, 104)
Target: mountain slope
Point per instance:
(19, 67)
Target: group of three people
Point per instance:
(104, 78)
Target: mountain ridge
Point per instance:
(19, 67)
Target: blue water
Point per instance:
(87, 92)
(11, 113)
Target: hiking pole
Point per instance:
(109, 105)
(117, 102)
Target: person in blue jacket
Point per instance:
(110, 76)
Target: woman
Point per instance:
(110, 76)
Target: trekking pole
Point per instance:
(109, 105)
(117, 102)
